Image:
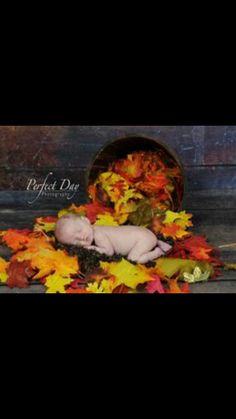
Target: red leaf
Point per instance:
(155, 286)
(197, 248)
(19, 273)
(93, 209)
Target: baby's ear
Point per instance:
(85, 219)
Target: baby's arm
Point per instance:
(103, 245)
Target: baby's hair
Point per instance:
(59, 223)
(69, 216)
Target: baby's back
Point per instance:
(124, 238)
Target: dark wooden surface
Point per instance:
(207, 153)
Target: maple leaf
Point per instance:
(45, 223)
(126, 273)
(3, 267)
(196, 276)
(19, 273)
(173, 230)
(72, 209)
(37, 241)
(106, 220)
(180, 218)
(96, 288)
(113, 184)
(129, 168)
(171, 266)
(128, 195)
(196, 247)
(16, 239)
(175, 288)
(123, 210)
(55, 283)
(143, 214)
(94, 210)
(155, 285)
(48, 261)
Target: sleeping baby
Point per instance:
(137, 243)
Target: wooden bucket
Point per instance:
(120, 147)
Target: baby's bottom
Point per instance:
(139, 255)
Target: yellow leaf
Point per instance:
(3, 277)
(56, 283)
(108, 181)
(72, 209)
(3, 266)
(48, 261)
(173, 230)
(126, 273)
(171, 266)
(36, 243)
(41, 225)
(106, 220)
(180, 218)
(105, 286)
(196, 276)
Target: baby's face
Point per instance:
(75, 232)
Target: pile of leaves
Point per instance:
(138, 190)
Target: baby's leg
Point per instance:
(140, 255)
(164, 246)
(154, 254)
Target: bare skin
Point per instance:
(137, 243)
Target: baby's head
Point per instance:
(75, 230)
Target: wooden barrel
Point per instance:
(119, 148)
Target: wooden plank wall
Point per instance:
(208, 154)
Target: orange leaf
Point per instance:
(173, 230)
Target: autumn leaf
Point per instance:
(45, 223)
(106, 220)
(94, 210)
(113, 184)
(171, 266)
(3, 270)
(106, 286)
(143, 214)
(19, 274)
(123, 211)
(129, 168)
(175, 288)
(196, 247)
(16, 239)
(56, 283)
(72, 209)
(126, 273)
(180, 218)
(173, 230)
(153, 183)
(37, 241)
(48, 261)
(196, 276)
(155, 285)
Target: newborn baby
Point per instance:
(137, 243)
